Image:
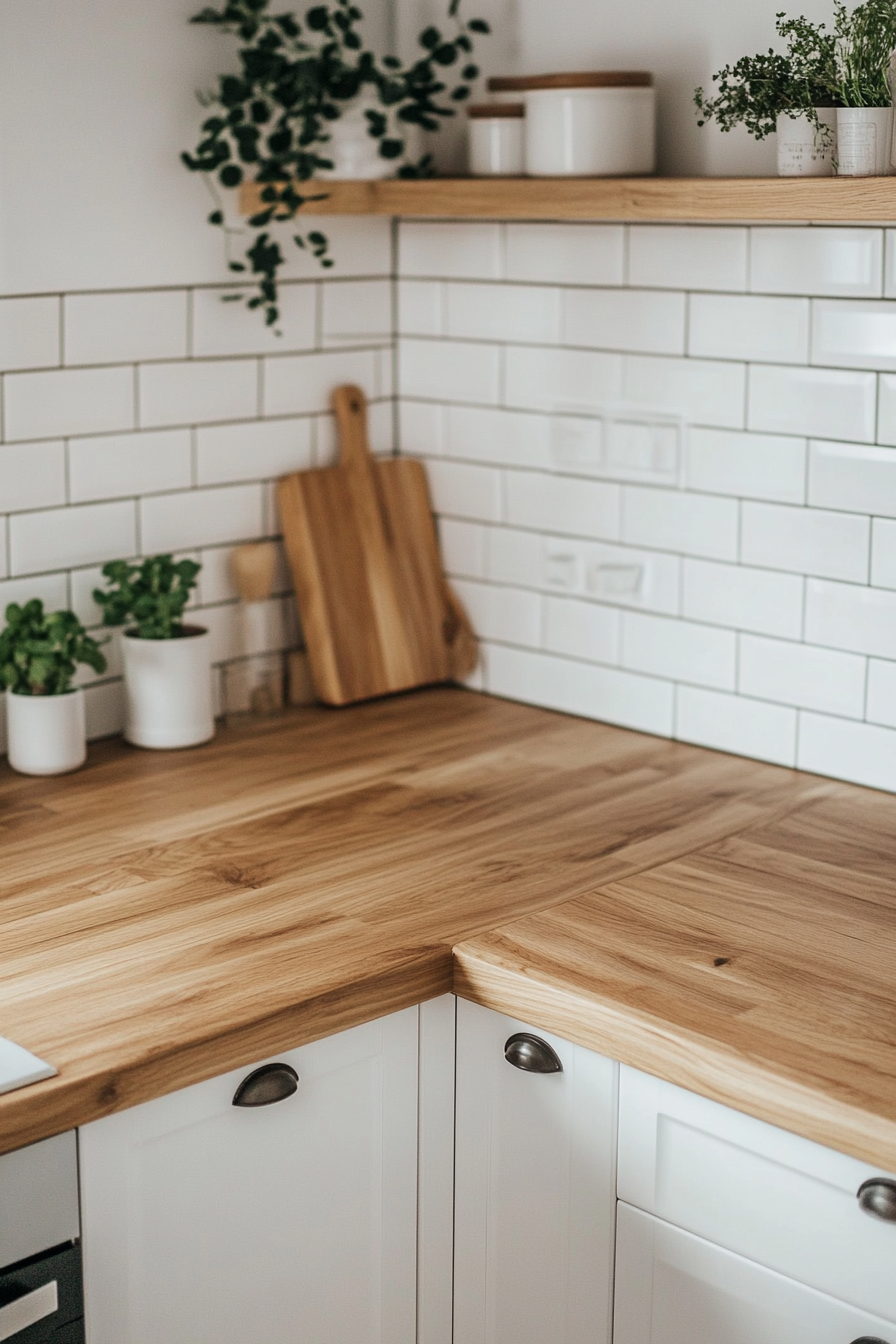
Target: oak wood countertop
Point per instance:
(168, 916)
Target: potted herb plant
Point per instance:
(39, 653)
(794, 93)
(865, 41)
(167, 664)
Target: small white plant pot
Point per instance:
(804, 150)
(46, 734)
(356, 154)
(864, 141)
(168, 689)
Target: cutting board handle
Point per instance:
(350, 406)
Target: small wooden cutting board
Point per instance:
(376, 610)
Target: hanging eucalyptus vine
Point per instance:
(270, 122)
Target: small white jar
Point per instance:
(168, 689)
(46, 733)
(804, 150)
(864, 141)
(599, 124)
(495, 145)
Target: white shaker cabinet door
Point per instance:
(291, 1223)
(675, 1288)
(534, 1190)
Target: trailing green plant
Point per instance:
(270, 122)
(865, 41)
(39, 651)
(757, 89)
(152, 595)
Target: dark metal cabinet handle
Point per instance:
(264, 1086)
(531, 1054)
(878, 1197)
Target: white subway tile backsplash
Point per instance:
(119, 328)
(200, 518)
(752, 466)
(223, 325)
(734, 723)
(557, 380)
(890, 263)
(701, 654)
(580, 629)
(847, 476)
(676, 521)
(565, 505)
(67, 401)
(252, 451)
(421, 428)
(51, 589)
(463, 547)
(4, 547)
(823, 403)
(748, 326)
(802, 675)
(704, 392)
(81, 535)
(504, 438)
(742, 598)
(451, 251)
(30, 333)
(845, 263)
(649, 320)
(114, 465)
(516, 557)
(511, 615)
(197, 391)
(686, 256)
(465, 491)
(32, 475)
(624, 698)
(502, 312)
(357, 312)
(846, 616)
(886, 410)
(566, 254)
(421, 308)
(851, 334)
(854, 751)
(806, 541)
(883, 553)
(881, 706)
(450, 370)
(300, 384)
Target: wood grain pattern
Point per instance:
(166, 916)
(375, 605)
(759, 971)
(828, 200)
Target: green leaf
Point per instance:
(430, 38)
(478, 26)
(216, 217)
(231, 175)
(391, 149)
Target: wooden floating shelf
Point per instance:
(687, 199)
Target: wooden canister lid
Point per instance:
(488, 110)
(572, 79)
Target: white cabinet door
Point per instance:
(675, 1288)
(534, 1190)
(207, 1223)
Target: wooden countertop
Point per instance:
(168, 916)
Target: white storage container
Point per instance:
(46, 733)
(597, 124)
(168, 688)
(864, 141)
(804, 149)
(496, 139)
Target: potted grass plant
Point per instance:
(167, 663)
(39, 654)
(794, 93)
(865, 39)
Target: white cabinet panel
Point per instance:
(206, 1223)
(772, 1196)
(435, 1200)
(535, 1182)
(674, 1288)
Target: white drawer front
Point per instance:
(674, 1288)
(769, 1195)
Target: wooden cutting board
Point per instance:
(377, 612)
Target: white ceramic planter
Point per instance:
(355, 154)
(168, 689)
(803, 149)
(46, 734)
(864, 141)
(496, 139)
(590, 132)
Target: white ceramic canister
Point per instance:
(46, 734)
(168, 689)
(495, 145)
(355, 153)
(598, 124)
(864, 141)
(804, 149)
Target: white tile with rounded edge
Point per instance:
(32, 475)
(505, 438)
(674, 520)
(835, 262)
(421, 428)
(451, 251)
(119, 328)
(580, 629)
(848, 616)
(734, 723)
(854, 477)
(802, 675)
(883, 553)
(463, 547)
(514, 313)
(703, 655)
(114, 465)
(561, 504)
(823, 403)
(200, 518)
(859, 752)
(299, 384)
(421, 308)
(82, 534)
(197, 391)
(751, 466)
(450, 370)
(851, 334)
(356, 312)
(743, 599)
(512, 615)
(572, 254)
(651, 321)
(881, 706)
(465, 491)
(30, 333)
(806, 541)
(252, 451)
(683, 256)
(749, 326)
(67, 401)
(704, 392)
(223, 325)
(547, 379)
